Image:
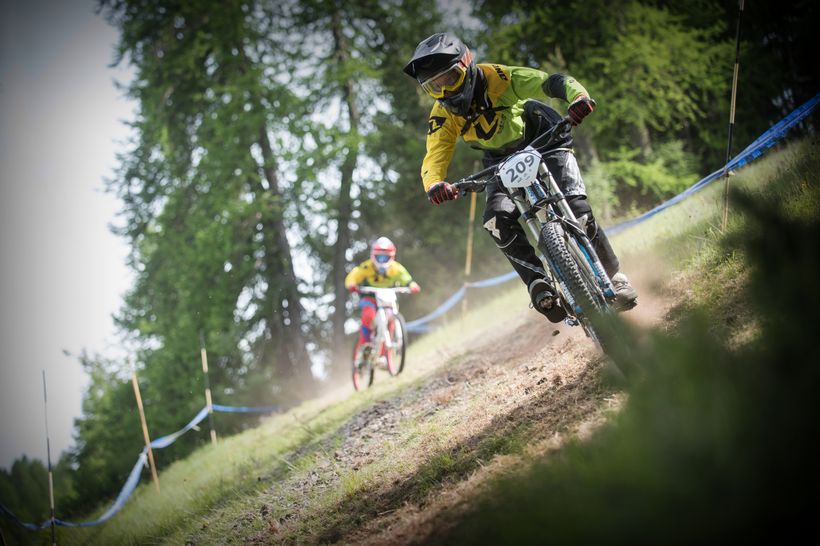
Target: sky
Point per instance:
(62, 272)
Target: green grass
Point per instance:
(714, 443)
(204, 494)
(244, 464)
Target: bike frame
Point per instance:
(537, 204)
(384, 316)
(542, 202)
(387, 307)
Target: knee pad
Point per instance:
(499, 229)
(583, 213)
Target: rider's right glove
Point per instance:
(414, 287)
(441, 192)
(580, 108)
(353, 288)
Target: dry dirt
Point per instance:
(410, 464)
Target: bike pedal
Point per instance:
(571, 321)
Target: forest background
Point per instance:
(274, 140)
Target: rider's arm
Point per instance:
(529, 83)
(399, 275)
(355, 277)
(441, 142)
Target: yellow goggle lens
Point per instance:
(448, 80)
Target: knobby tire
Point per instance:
(555, 248)
(362, 375)
(400, 327)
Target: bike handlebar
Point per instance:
(478, 181)
(376, 289)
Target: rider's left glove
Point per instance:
(580, 108)
(353, 288)
(414, 287)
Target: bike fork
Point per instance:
(590, 258)
(382, 335)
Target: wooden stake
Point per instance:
(468, 262)
(468, 265)
(48, 456)
(145, 431)
(725, 219)
(208, 401)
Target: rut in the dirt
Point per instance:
(490, 403)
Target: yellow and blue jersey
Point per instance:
(366, 274)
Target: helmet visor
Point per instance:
(448, 80)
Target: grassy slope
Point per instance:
(293, 479)
(713, 443)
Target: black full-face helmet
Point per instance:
(446, 70)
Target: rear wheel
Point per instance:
(395, 356)
(362, 367)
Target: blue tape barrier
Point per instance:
(419, 325)
(244, 409)
(134, 476)
(125, 493)
(165, 441)
(750, 153)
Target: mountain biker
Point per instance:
(381, 270)
(497, 109)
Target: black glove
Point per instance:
(441, 192)
(580, 108)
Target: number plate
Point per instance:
(520, 169)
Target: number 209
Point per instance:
(520, 167)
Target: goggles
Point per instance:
(447, 80)
(383, 258)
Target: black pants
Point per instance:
(501, 217)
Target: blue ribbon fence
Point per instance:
(752, 152)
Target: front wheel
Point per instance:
(362, 366)
(553, 244)
(395, 355)
(582, 290)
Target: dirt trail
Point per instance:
(408, 465)
(552, 389)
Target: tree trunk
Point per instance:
(286, 312)
(344, 206)
(639, 134)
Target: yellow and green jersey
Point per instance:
(365, 274)
(498, 124)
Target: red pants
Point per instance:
(368, 307)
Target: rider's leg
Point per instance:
(368, 308)
(501, 222)
(564, 168)
(583, 212)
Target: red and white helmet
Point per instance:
(382, 254)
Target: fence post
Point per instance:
(468, 261)
(48, 457)
(208, 401)
(154, 476)
(732, 119)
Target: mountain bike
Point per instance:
(388, 340)
(584, 287)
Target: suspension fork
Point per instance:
(382, 326)
(586, 256)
